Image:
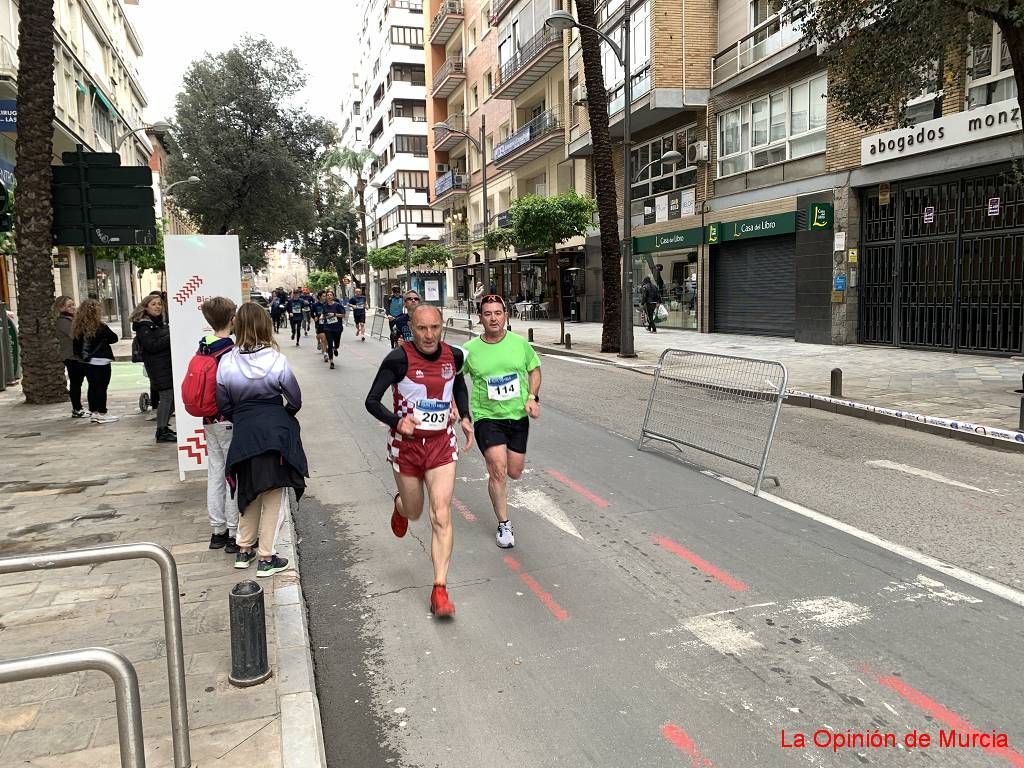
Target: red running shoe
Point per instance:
(440, 605)
(399, 524)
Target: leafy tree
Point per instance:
(255, 151)
(431, 255)
(882, 54)
(325, 245)
(387, 258)
(355, 161)
(8, 240)
(544, 223)
(321, 281)
(43, 370)
(604, 177)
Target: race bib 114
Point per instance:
(504, 387)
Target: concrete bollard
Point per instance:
(529, 335)
(249, 665)
(836, 388)
(568, 341)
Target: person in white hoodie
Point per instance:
(258, 393)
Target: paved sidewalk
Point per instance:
(970, 388)
(71, 484)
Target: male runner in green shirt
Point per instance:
(505, 396)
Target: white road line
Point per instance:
(576, 360)
(722, 635)
(907, 469)
(960, 574)
(540, 503)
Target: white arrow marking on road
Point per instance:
(543, 505)
(906, 469)
(925, 588)
(722, 635)
(831, 612)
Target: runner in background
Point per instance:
(294, 306)
(317, 311)
(307, 310)
(401, 323)
(332, 319)
(358, 306)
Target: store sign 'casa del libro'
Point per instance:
(987, 122)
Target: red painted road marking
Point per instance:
(717, 573)
(681, 740)
(950, 718)
(549, 602)
(464, 510)
(591, 497)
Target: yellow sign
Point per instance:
(851, 255)
(838, 297)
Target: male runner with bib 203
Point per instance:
(506, 395)
(426, 378)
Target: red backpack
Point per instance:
(199, 388)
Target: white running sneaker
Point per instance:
(103, 418)
(505, 537)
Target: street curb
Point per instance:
(302, 738)
(965, 431)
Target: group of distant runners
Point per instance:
(325, 313)
(430, 398)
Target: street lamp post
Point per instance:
(189, 180)
(563, 20)
(158, 127)
(408, 244)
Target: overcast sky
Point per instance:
(176, 32)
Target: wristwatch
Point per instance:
(532, 396)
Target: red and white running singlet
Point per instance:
(426, 390)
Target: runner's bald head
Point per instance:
(426, 308)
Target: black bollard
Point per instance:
(1018, 391)
(837, 382)
(1020, 419)
(249, 665)
(568, 341)
(529, 335)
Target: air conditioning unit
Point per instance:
(579, 94)
(697, 153)
(461, 180)
(442, 168)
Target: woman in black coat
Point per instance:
(90, 343)
(154, 336)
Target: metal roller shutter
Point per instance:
(754, 287)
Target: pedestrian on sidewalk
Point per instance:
(396, 306)
(91, 340)
(258, 393)
(425, 375)
(219, 312)
(150, 325)
(64, 306)
(651, 297)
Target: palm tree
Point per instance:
(355, 161)
(604, 175)
(43, 372)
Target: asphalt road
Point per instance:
(650, 614)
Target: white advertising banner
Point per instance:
(198, 267)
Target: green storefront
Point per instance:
(676, 254)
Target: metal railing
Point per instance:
(527, 53)
(448, 181)
(8, 57)
(378, 324)
(171, 609)
(498, 9)
(450, 67)
(769, 37)
(120, 671)
(719, 404)
(543, 124)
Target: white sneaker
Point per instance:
(505, 537)
(103, 418)
(151, 416)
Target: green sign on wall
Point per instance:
(762, 226)
(667, 241)
(819, 216)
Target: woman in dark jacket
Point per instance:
(90, 343)
(257, 392)
(64, 307)
(149, 325)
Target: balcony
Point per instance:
(779, 33)
(445, 141)
(447, 20)
(531, 62)
(450, 76)
(533, 140)
(498, 10)
(8, 60)
(448, 187)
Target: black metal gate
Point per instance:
(942, 265)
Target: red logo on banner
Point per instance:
(195, 446)
(188, 289)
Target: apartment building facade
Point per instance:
(98, 99)
(386, 113)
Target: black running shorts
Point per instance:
(509, 432)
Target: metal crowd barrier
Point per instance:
(378, 324)
(120, 671)
(171, 610)
(719, 404)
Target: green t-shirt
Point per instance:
(499, 372)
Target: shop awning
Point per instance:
(105, 102)
(82, 89)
